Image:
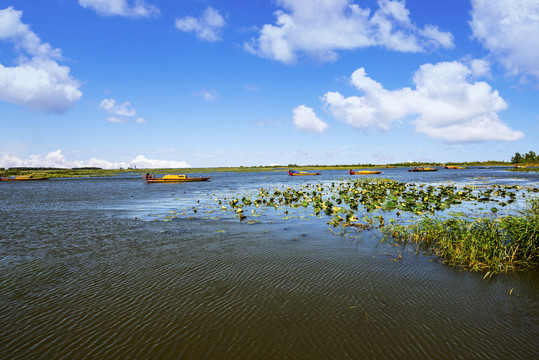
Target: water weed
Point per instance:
(489, 245)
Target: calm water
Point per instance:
(114, 268)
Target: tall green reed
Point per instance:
(490, 245)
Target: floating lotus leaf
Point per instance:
(391, 205)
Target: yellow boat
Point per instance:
(363, 172)
(22, 178)
(175, 179)
(301, 173)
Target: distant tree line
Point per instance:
(529, 157)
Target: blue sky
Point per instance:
(196, 83)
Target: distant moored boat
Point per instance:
(421, 168)
(363, 172)
(175, 179)
(22, 178)
(301, 173)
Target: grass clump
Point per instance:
(487, 245)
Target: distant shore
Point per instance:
(97, 172)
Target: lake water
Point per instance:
(114, 268)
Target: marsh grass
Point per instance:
(489, 245)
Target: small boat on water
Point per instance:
(421, 168)
(301, 173)
(455, 167)
(22, 178)
(174, 179)
(363, 172)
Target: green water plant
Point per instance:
(489, 245)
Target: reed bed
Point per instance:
(488, 245)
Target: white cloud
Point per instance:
(37, 81)
(208, 27)
(319, 28)
(508, 29)
(138, 9)
(444, 105)
(305, 120)
(56, 159)
(207, 95)
(142, 163)
(480, 68)
(124, 110)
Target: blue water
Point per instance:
(114, 268)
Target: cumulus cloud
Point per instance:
(124, 110)
(142, 162)
(125, 8)
(37, 81)
(305, 120)
(319, 28)
(444, 105)
(508, 29)
(208, 27)
(56, 159)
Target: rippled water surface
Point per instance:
(114, 268)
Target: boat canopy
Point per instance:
(174, 177)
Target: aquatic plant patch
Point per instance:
(490, 245)
(496, 239)
(347, 199)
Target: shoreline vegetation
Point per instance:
(489, 245)
(486, 243)
(99, 172)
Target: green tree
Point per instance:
(530, 157)
(517, 158)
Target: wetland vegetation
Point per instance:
(490, 245)
(418, 215)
